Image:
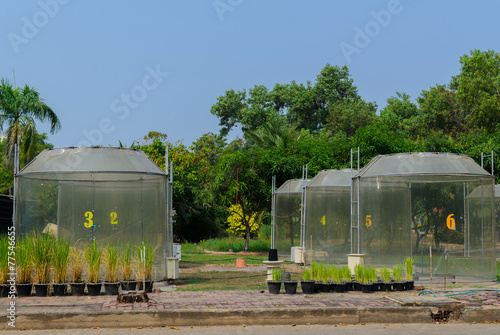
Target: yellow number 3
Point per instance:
(89, 223)
(113, 216)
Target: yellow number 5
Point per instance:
(89, 223)
(368, 220)
(113, 216)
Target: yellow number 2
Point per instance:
(323, 220)
(89, 223)
(113, 216)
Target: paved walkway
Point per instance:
(233, 307)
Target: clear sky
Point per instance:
(117, 69)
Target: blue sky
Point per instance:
(117, 69)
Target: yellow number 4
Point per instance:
(323, 220)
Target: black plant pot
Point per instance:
(318, 287)
(41, 290)
(24, 290)
(291, 286)
(4, 290)
(341, 287)
(349, 286)
(366, 288)
(149, 286)
(356, 286)
(398, 286)
(129, 285)
(307, 286)
(94, 289)
(274, 287)
(59, 289)
(77, 289)
(410, 285)
(376, 286)
(385, 287)
(111, 288)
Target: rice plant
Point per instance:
(306, 274)
(43, 255)
(359, 270)
(149, 259)
(372, 274)
(276, 274)
(77, 265)
(93, 256)
(346, 273)
(385, 274)
(336, 274)
(60, 263)
(4, 260)
(409, 268)
(111, 260)
(126, 261)
(397, 273)
(24, 261)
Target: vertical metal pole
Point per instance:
(430, 256)
(302, 237)
(352, 199)
(172, 221)
(358, 197)
(16, 171)
(304, 205)
(492, 164)
(273, 211)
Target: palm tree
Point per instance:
(275, 134)
(20, 108)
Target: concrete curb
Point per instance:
(126, 319)
(480, 314)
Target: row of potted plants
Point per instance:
(42, 260)
(323, 278)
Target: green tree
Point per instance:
(478, 89)
(20, 108)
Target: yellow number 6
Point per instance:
(89, 223)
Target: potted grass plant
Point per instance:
(307, 283)
(4, 266)
(365, 284)
(42, 256)
(410, 284)
(274, 285)
(24, 264)
(111, 283)
(326, 276)
(316, 272)
(290, 285)
(126, 262)
(359, 271)
(347, 278)
(77, 266)
(385, 275)
(93, 256)
(62, 250)
(372, 277)
(146, 264)
(397, 275)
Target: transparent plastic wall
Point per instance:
(108, 207)
(328, 217)
(288, 203)
(414, 208)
